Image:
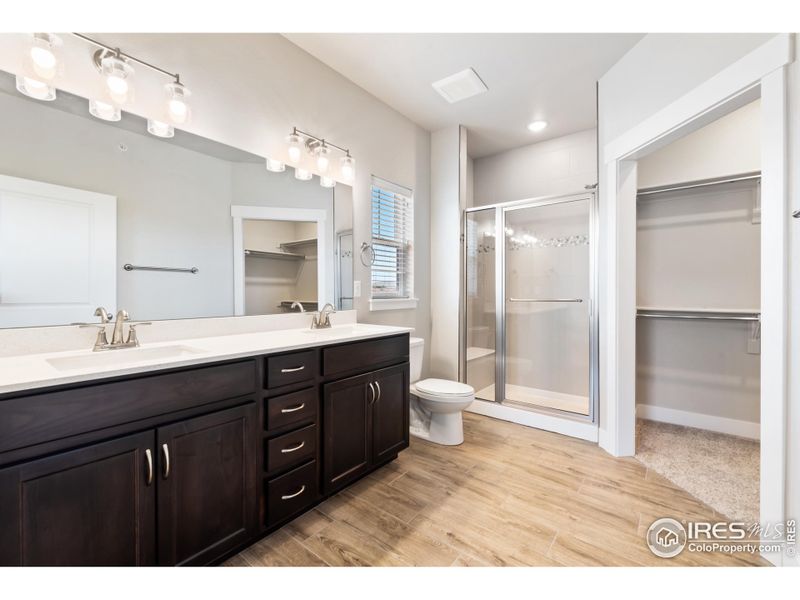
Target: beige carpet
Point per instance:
(721, 470)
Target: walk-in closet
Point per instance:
(698, 313)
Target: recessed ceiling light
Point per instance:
(460, 86)
(537, 125)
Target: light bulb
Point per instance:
(36, 89)
(327, 182)
(160, 129)
(177, 104)
(295, 149)
(118, 78)
(537, 126)
(347, 167)
(302, 174)
(276, 166)
(104, 110)
(44, 59)
(322, 159)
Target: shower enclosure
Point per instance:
(529, 321)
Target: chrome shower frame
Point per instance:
(500, 210)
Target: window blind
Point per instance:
(392, 240)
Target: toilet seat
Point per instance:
(443, 390)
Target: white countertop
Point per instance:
(32, 371)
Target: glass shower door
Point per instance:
(547, 289)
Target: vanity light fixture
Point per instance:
(320, 150)
(177, 104)
(43, 55)
(537, 126)
(33, 88)
(276, 166)
(302, 174)
(327, 182)
(160, 129)
(104, 110)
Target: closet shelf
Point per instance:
(293, 245)
(275, 255)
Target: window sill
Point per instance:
(392, 303)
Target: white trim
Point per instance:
(745, 429)
(392, 303)
(239, 213)
(764, 67)
(577, 429)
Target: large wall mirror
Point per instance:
(97, 213)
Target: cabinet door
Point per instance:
(94, 506)
(390, 413)
(346, 427)
(207, 498)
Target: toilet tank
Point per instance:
(416, 351)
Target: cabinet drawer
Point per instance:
(362, 356)
(291, 408)
(291, 493)
(291, 448)
(291, 368)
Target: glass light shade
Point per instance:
(323, 160)
(347, 167)
(160, 129)
(302, 174)
(177, 102)
(276, 166)
(104, 110)
(327, 182)
(44, 55)
(39, 90)
(118, 75)
(295, 148)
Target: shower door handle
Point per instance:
(545, 299)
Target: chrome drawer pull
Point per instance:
(295, 495)
(295, 449)
(294, 408)
(293, 370)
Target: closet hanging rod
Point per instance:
(677, 315)
(698, 184)
(545, 300)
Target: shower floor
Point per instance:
(528, 396)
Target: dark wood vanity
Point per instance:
(187, 466)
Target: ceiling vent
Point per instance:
(460, 86)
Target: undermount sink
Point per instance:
(121, 357)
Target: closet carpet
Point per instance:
(721, 470)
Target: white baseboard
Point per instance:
(564, 426)
(745, 429)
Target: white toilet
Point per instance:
(436, 404)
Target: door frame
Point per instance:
(762, 72)
(270, 213)
(584, 427)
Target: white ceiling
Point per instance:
(530, 77)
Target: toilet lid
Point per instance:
(444, 387)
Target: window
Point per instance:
(393, 243)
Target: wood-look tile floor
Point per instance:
(510, 495)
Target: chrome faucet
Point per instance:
(298, 304)
(322, 319)
(117, 337)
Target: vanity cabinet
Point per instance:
(189, 465)
(365, 424)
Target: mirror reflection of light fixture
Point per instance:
(160, 129)
(302, 174)
(177, 104)
(327, 182)
(347, 167)
(295, 147)
(118, 75)
(276, 166)
(43, 54)
(104, 110)
(33, 88)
